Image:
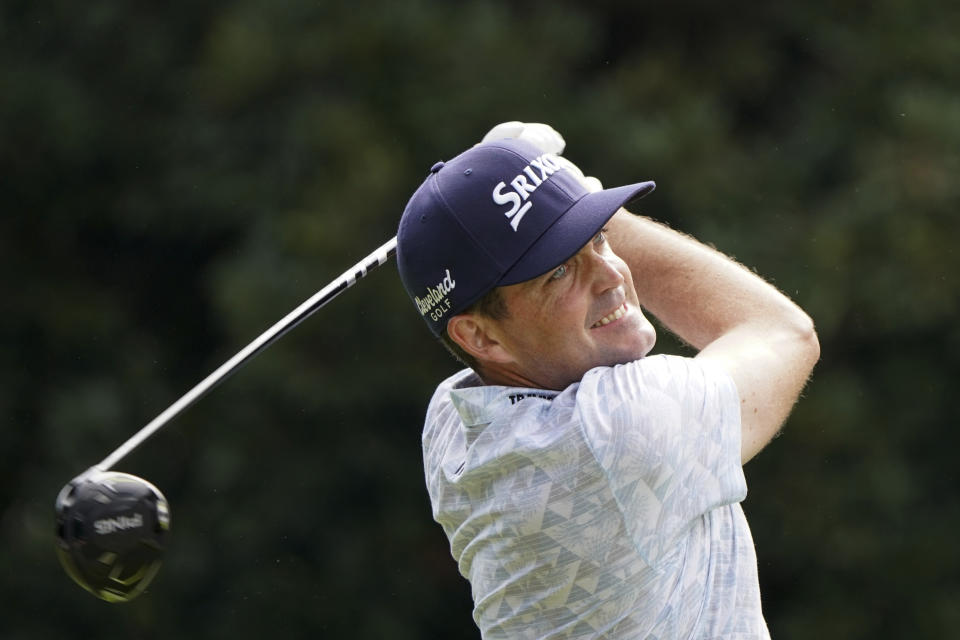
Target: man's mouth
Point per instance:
(618, 313)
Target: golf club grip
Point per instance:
(346, 280)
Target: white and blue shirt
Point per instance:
(607, 510)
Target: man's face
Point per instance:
(581, 315)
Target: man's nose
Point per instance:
(604, 270)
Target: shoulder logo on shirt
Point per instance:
(518, 197)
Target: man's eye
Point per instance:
(559, 272)
(601, 237)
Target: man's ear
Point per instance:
(473, 333)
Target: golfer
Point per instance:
(588, 488)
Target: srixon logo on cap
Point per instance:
(436, 303)
(538, 171)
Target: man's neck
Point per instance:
(497, 375)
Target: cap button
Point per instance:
(436, 167)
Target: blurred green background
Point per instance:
(177, 176)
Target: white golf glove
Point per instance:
(545, 138)
(542, 136)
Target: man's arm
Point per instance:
(734, 318)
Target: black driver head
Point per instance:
(111, 528)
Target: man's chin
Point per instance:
(649, 344)
(639, 352)
(645, 341)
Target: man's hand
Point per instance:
(545, 138)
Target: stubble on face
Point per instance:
(557, 330)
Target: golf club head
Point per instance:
(110, 530)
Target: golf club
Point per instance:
(111, 526)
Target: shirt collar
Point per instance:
(479, 404)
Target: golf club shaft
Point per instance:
(268, 337)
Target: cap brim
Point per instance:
(574, 229)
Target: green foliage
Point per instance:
(176, 177)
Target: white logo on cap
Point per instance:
(539, 170)
(437, 297)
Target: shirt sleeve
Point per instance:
(665, 430)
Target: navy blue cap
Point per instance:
(498, 214)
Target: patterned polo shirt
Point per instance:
(607, 510)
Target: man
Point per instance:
(589, 490)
